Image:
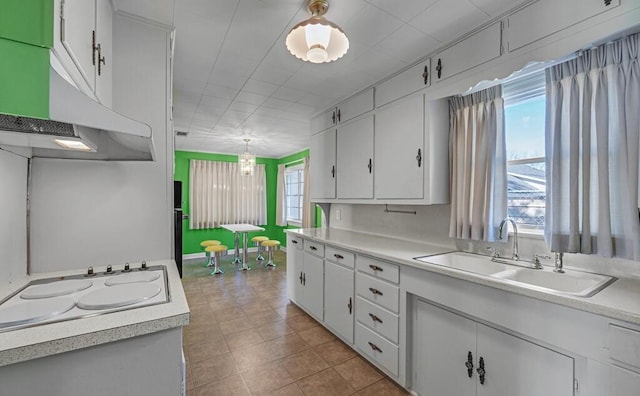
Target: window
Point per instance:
(524, 104)
(294, 193)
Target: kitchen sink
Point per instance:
(575, 283)
(571, 282)
(466, 262)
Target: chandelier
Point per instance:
(247, 160)
(316, 39)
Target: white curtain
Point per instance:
(478, 165)
(592, 144)
(306, 201)
(220, 194)
(281, 197)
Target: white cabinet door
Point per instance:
(399, 150)
(545, 17)
(77, 27)
(475, 50)
(355, 106)
(313, 282)
(355, 159)
(323, 121)
(517, 367)
(405, 83)
(442, 343)
(104, 24)
(323, 165)
(623, 382)
(294, 268)
(339, 299)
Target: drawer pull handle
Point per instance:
(294, 242)
(375, 267)
(313, 247)
(375, 291)
(338, 256)
(375, 318)
(375, 347)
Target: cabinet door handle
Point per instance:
(338, 115)
(375, 347)
(94, 47)
(375, 267)
(294, 242)
(333, 117)
(300, 278)
(333, 171)
(375, 291)
(439, 68)
(338, 256)
(370, 165)
(425, 75)
(313, 247)
(481, 371)
(607, 3)
(101, 60)
(419, 158)
(375, 318)
(350, 306)
(469, 364)
(304, 279)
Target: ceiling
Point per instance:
(234, 78)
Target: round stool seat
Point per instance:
(258, 239)
(271, 243)
(215, 248)
(209, 243)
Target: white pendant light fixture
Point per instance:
(247, 160)
(316, 39)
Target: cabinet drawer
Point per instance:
(377, 348)
(378, 319)
(624, 345)
(378, 269)
(338, 256)
(295, 242)
(377, 291)
(313, 248)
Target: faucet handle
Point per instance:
(537, 257)
(495, 252)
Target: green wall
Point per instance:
(192, 238)
(26, 34)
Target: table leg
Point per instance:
(236, 252)
(245, 252)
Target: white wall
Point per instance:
(431, 225)
(98, 213)
(13, 217)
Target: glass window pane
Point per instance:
(526, 193)
(524, 126)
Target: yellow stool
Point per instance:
(257, 240)
(210, 261)
(216, 250)
(271, 245)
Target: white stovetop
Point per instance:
(39, 341)
(621, 300)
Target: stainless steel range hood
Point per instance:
(73, 116)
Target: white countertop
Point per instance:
(621, 300)
(241, 227)
(49, 339)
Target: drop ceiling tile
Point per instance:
(220, 91)
(407, 44)
(211, 102)
(251, 98)
(446, 23)
(242, 107)
(259, 87)
(368, 27)
(272, 74)
(404, 10)
(497, 7)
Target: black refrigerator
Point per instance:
(177, 224)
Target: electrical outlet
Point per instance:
(338, 214)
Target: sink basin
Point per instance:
(466, 262)
(576, 283)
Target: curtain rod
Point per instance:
(298, 161)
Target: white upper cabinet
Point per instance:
(355, 159)
(405, 83)
(322, 166)
(545, 17)
(345, 111)
(475, 50)
(83, 45)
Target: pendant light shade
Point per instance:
(247, 160)
(316, 39)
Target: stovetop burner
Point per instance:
(78, 296)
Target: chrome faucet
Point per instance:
(558, 268)
(515, 255)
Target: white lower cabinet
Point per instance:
(294, 268)
(453, 355)
(339, 300)
(623, 382)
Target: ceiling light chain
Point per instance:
(316, 39)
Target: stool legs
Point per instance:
(216, 269)
(260, 250)
(211, 261)
(270, 262)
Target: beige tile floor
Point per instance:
(247, 338)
